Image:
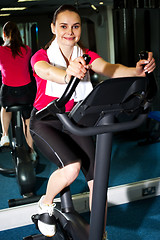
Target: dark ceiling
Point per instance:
(43, 6)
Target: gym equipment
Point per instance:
(24, 168)
(114, 105)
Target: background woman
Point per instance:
(17, 87)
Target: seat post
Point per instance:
(16, 122)
(66, 200)
(16, 126)
(19, 129)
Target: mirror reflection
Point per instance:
(118, 34)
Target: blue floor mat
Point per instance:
(130, 162)
(138, 220)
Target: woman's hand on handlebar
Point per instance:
(144, 66)
(77, 68)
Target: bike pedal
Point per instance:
(35, 219)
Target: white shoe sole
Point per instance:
(5, 144)
(46, 229)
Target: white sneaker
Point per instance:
(5, 141)
(47, 230)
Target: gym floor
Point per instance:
(130, 163)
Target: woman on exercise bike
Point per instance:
(53, 67)
(17, 87)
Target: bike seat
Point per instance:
(16, 108)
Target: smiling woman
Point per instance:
(53, 68)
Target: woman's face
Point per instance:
(67, 28)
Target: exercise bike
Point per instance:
(114, 105)
(24, 167)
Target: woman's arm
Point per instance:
(100, 66)
(49, 72)
(78, 69)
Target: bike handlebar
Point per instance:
(91, 131)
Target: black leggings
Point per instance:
(61, 147)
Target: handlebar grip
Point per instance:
(143, 55)
(152, 81)
(86, 58)
(71, 86)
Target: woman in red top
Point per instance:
(53, 68)
(17, 87)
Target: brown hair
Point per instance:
(11, 30)
(62, 8)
